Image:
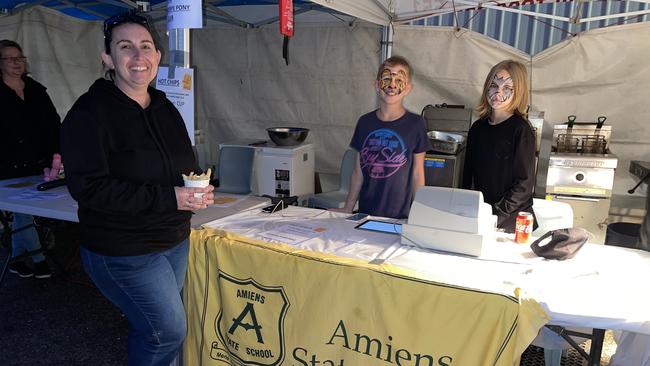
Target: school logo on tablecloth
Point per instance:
(250, 324)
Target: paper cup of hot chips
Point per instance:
(199, 181)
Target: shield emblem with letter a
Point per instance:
(251, 320)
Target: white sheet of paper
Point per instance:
(20, 184)
(184, 14)
(225, 200)
(290, 234)
(28, 195)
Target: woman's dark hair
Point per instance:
(6, 43)
(119, 19)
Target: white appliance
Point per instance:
(281, 171)
(286, 170)
(449, 219)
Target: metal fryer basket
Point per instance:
(591, 144)
(445, 142)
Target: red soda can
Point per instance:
(523, 227)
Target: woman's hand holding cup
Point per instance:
(194, 198)
(197, 192)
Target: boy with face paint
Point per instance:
(391, 143)
(500, 155)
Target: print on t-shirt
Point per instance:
(383, 153)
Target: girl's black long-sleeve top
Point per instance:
(500, 162)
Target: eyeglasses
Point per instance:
(15, 60)
(118, 19)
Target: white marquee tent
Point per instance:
(244, 86)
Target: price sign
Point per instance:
(184, 14)
(180, 91)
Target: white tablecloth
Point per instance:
(57, 203)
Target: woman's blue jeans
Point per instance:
(25, 240)
(147, 290)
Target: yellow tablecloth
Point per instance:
(256, 303)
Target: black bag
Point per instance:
(564, 243)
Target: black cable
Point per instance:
(278, 205)
(645, 177)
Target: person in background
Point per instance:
(500, 155)
(391, 142)
(29, 137)
(125, 148)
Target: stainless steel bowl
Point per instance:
(444, 142)
(287, 136)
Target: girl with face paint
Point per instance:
(500, 155)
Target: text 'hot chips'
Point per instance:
(204, 176)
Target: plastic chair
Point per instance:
(235, 169)
(336, 198)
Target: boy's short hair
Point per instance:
(394, 61)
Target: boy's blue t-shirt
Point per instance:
(386, 155)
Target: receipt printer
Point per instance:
(450, 220)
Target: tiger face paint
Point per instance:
(501, 90)
(393, 80)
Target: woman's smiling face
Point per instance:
(12, 63)
(133, 57)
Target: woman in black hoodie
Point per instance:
(125, 147)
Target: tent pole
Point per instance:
(619, 15)
(386, 41)
(179, 47)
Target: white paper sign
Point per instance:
(291, 234)
(184, 14)
(180, 91)
(29, 195)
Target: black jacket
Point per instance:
(29, 130)
(500, 162)
(121, 165)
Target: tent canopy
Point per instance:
(254, 13)
(243, 85)
(244, 13)
(385, 12)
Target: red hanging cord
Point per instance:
(286, 26)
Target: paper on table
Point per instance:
(21, 184)
(29, 195)
(225, 200)
(291, 233)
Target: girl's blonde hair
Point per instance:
(519, 103)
